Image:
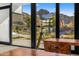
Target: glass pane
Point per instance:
(4, 25)
(45, 22)
(21, 31)
(67, 20)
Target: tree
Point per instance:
(52, 21)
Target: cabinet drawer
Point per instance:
(51, 46)
(54, 47)
(64, 46)
(57, 47)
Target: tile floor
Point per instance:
(5, 48)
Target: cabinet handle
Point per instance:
(56, 47)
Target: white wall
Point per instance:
(4, 31)
(4, 13)
(4, 25)
(4, 4)
(17, 7)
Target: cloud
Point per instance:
(67, 12)
(37, 5)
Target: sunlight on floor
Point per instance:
(5, 48)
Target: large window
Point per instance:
(21, 19)
(45, 22)
(67, 20)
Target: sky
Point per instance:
(65, 8)
(51, 7)
(48, 6)
(27, 8)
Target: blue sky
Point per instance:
(51, 7)
(48, 6)
(67, 9)
(27, 8)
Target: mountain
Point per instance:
(21, 22)
(66, 19)
(20, 19)
(24, 19)
(43, 14)
(53, 14)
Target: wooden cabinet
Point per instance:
(64, 48)
(54, 46)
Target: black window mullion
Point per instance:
(10, 23)
(77, 21)
(57, 20)
(76, 26)
(33, 25)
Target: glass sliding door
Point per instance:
(21, 27)
(45, 23)
(4, 23)
(67, 20)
